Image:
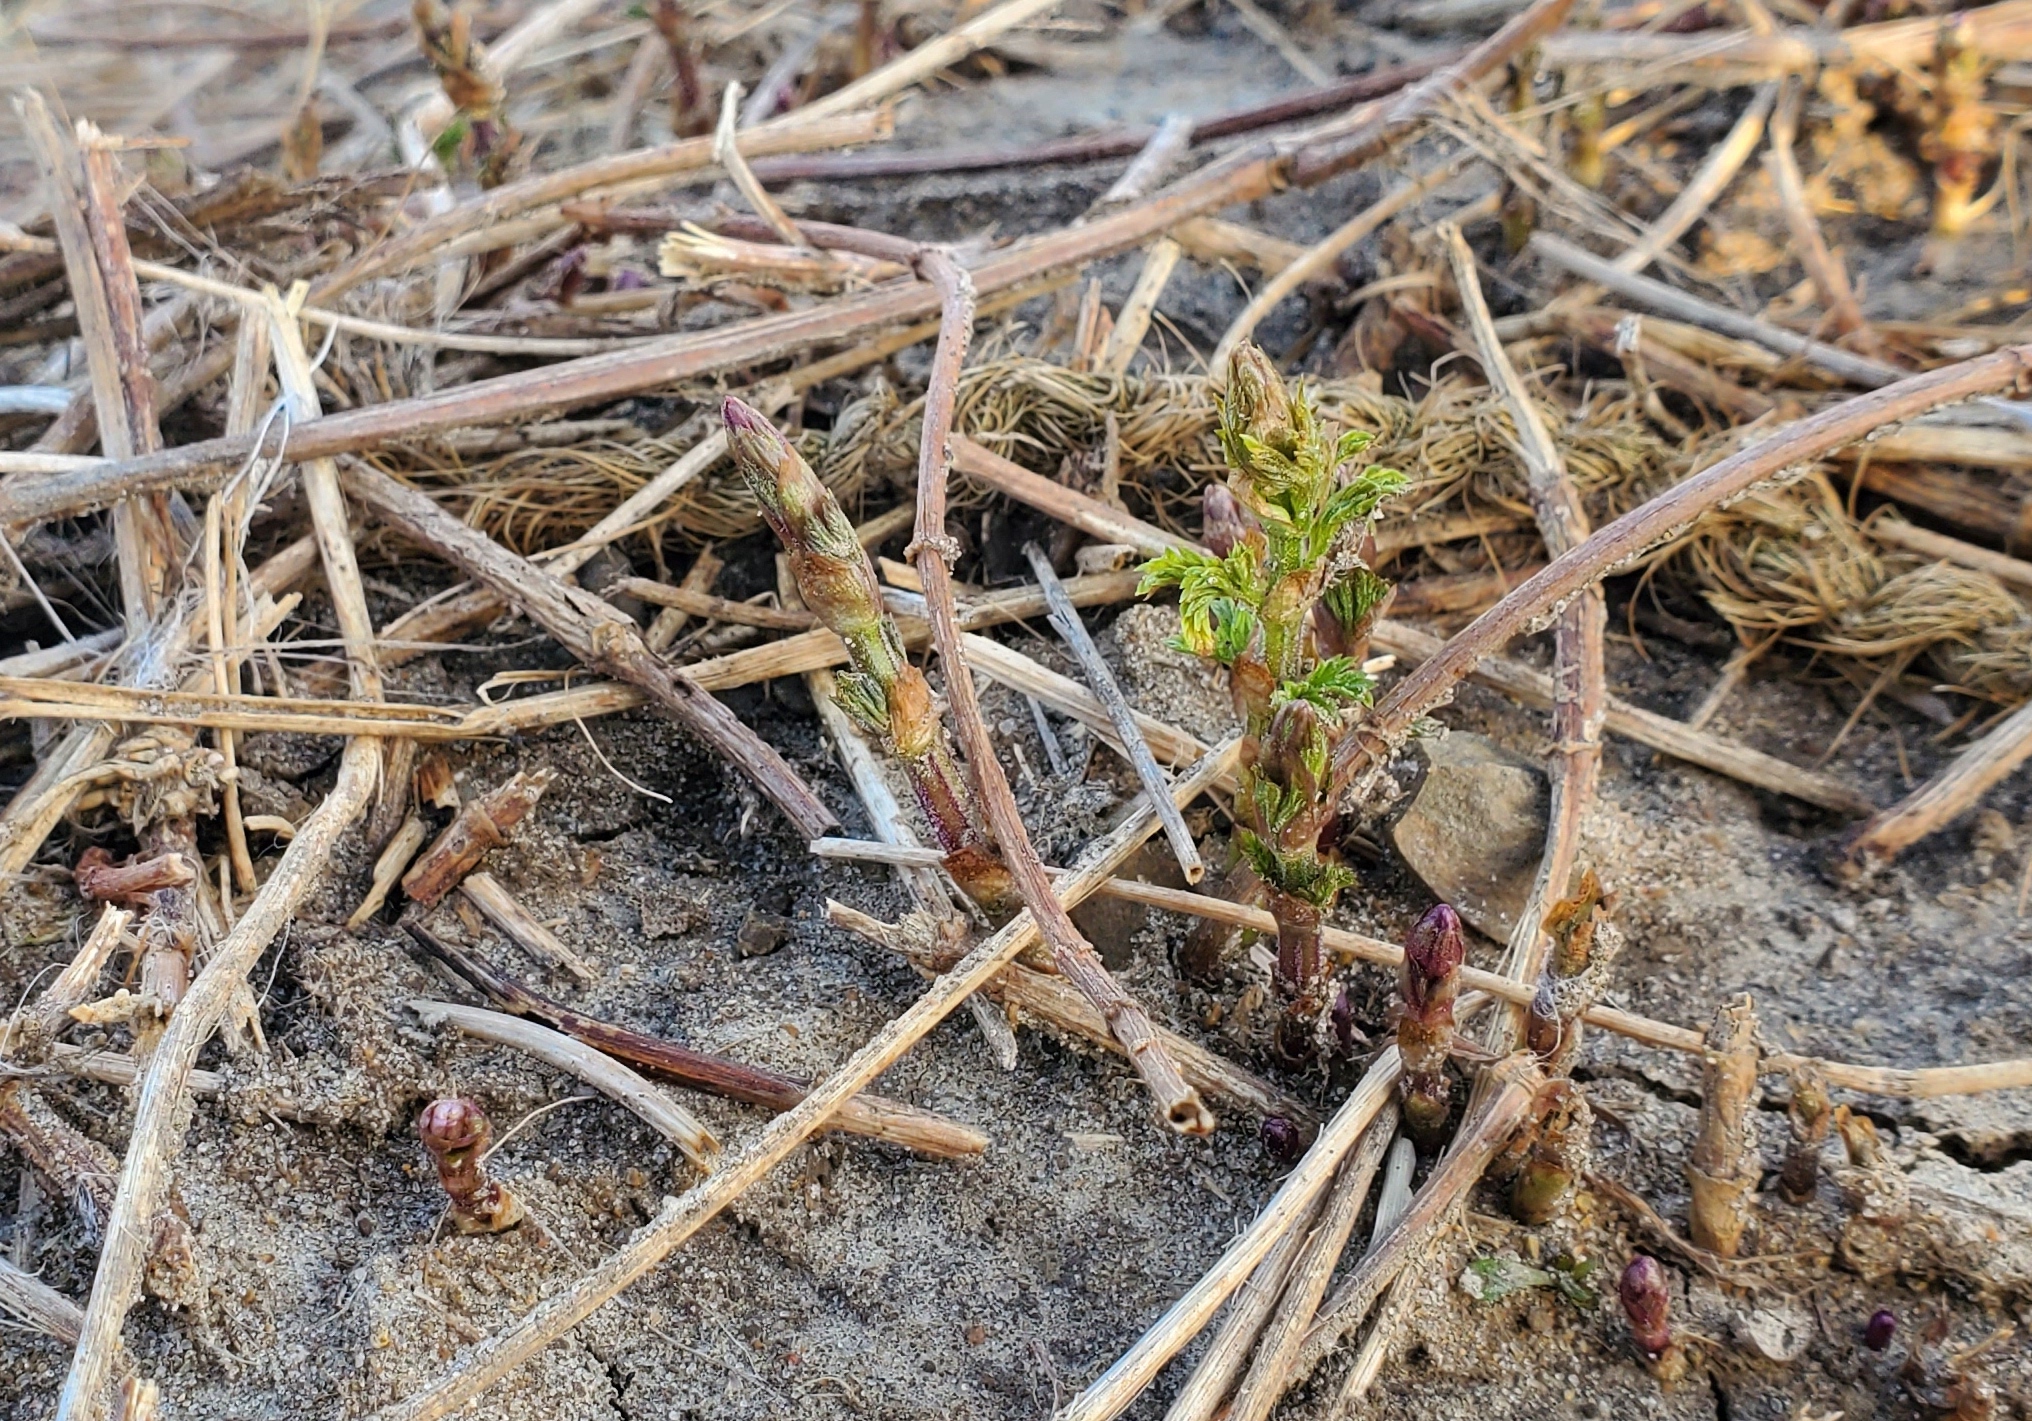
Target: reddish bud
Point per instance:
(456, 1132)
(1342, 1015)
(1428, 982)
(1432, 953)
(1647, 1303)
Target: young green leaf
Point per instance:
(1334, 684)
(1350, 444)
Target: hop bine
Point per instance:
(1282, 598)
(1428, 981)
(881, 692)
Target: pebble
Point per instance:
(762, 933)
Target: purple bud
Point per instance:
(1878, 1331)
(1434, 950)
(1342, 1015)
(1282, 1140)
(628, 279)
(1647, 1304)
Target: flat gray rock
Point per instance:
(1475, 828)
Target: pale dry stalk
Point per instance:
(1065, 621)
(1270, 1373)
(1724, 1168)
(1206, 1390)
(1830, 278)
(1982, 763)
(1115, 1389)
(1513, 1083)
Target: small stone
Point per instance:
(762, 934)
(1990, 840)
(1475, 828)
(365, 1224)
(1777, 1334)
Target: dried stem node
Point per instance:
(1724, 1168)
(480, 826)
(1810, 1115)
(1584, 948)
(1558, 1153)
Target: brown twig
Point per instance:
(1152, 165)
(1319, 259)
(1529, 686)
(49, 1013)
(1204, 1392)
(1830, 359)
(34, 1304)
(870, 1115)
(932, 549)
(482, 824)
(329, 517)
(705, 569)
(1717, 170)
(1096, 147)
(1740, 56)
(709, 607)
(681, 1218)
(596, 634)
(389, 866)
